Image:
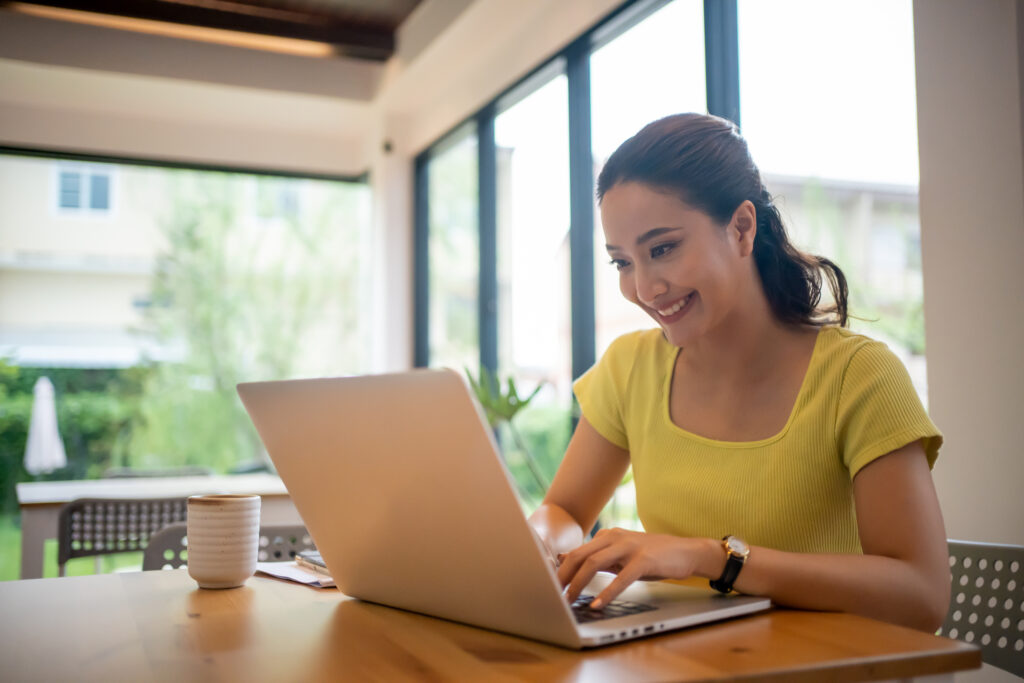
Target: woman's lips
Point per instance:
(676, 310)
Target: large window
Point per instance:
(667, 47)
(831, 124)
(454, 254)
(145, 318)
(836, 140)
(534, 332)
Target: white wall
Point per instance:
(483, 51)
(100, 112)
(972, 232)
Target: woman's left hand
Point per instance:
(633, 555)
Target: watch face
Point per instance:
(738, 546)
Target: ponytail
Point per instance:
(792, 279)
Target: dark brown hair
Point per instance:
(704, 161)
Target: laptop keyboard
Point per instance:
(614, 609)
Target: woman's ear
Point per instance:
(743, 227)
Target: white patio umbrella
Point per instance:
(44, 451)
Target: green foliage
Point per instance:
(901, 321)
(241, 298)
(14, 418)
(10, 548)
(501, 404)
(453, 250)
(95, 411)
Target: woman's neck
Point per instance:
(749, 345)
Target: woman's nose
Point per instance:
(649, 285)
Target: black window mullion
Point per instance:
(421, 263)
(722, 58)
(488, 213)
(581, 207)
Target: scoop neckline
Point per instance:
(667, 413)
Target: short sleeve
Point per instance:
(879, 410)
(602, 389)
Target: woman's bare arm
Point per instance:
(590, 471)
(902, 577)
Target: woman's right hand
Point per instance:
(635, 556)
(556, 530)
(590, 471)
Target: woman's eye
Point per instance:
(619, 263)
(662, 249)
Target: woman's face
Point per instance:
(674, 261)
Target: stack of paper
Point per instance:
(293, 572)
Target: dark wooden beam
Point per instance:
(351, 36)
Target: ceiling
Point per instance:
(359, 29)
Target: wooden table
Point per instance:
(41, 501)
(157, 626)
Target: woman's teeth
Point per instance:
(675, 308)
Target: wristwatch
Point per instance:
(736, 554)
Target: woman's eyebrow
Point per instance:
(646, 237)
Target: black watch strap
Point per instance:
(733, 565)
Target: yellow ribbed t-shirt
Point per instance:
(792, 491)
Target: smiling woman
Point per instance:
(751, 412)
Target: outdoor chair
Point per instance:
(987, 605)
(168, 549)
(93, 527)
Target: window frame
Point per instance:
(721, 42)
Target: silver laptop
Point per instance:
(400, 484)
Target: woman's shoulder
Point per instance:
(841, 348)
(636, 355)
(846, 342)
(638, 340)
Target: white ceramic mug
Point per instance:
(223, 539)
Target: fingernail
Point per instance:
(596, 603)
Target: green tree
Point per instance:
(245, 295)
(95, 410)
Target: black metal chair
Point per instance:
(987, 605)
(168, 549)
(93, 527)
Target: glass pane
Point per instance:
(454, 254)
(654, 69)
(841, 155)
(147, 319)
(532, 138)
(70, 190)
(99, 192)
